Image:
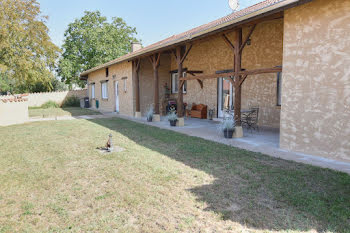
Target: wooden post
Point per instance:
(237, 80)
(155, 61)
(180, 101)
(136, 69)
(180, 58)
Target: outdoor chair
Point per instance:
(251, 119)
(199, 111)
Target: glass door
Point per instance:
(225, 96)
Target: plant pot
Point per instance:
(228, 133)
(149, 119)
(173, 122)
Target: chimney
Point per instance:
(135, 46)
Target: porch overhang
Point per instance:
(272, 11)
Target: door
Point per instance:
(225, 96)
(116, 89)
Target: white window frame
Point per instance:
(124, 80)
(104, 90)
(174, 81)
(93, 91)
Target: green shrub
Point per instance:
(50, 104)
(71, 101)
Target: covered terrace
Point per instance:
(176, 54)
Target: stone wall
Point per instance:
(118, 72)
(316, 79)
(213, 54)
(37, 99)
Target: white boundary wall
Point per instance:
(37, 99)
(13, 112)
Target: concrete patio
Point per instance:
(265, 141)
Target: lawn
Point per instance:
(53, 179)
(54, 112)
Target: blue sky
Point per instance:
(154, 19)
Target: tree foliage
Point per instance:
(91, 41)
(27, 55)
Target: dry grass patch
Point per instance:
(52, 179)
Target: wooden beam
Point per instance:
(158, 59)
(155, 61)
(187, 71)
(186, 53)
(230, 74)
(200, 83)
(261, 71)
(182, 82)
(136, 69)
(228, 42)
(237, 69)
(247, 38)
(198, 80)
(180, 110)
(242, 79)
(174, 52)
(192, 72)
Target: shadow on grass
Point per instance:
(251, 188)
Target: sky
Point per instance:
(154, 19)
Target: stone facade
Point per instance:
(213, 54)
(316, 79)
(312, 45)
(208, 56)
(120, 73)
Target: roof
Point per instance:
(229, 20)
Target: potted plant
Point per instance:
(149, 114)
(172, 118)
(228, 127)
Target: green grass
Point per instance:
(53, 112)
(52, 179)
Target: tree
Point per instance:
(27, 55)
(9, 85)
(91, 41)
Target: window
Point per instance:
(93, 91)
(124, 83)
(104, 90)
(107, 72)
(175, 83)
(279, 88)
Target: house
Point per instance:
(289, 57)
